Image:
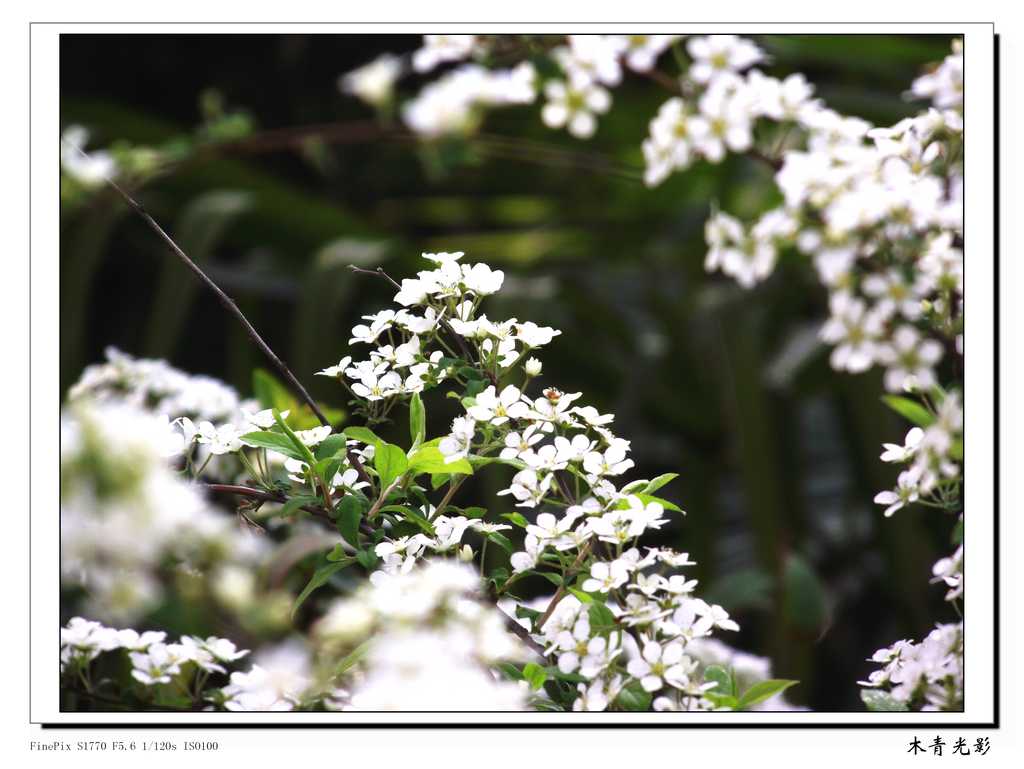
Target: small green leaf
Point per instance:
(294, 503)
(805, 604)
(660, 481)
(909, 410)
(602, 621)
(429, 459)
(878, 701)
(634, 698)
(410, 515)
(391, 463)
(331, 446)
(363, 435)
(723, 678)
(278, 442)
(319, 579)
(583, 597)
(647, 499)
(367, 559)
(958, 533)
(339, 554)
(302, 448)
(764, 690)
(417, 419)
(510, 671)
(501, 541)
(517, 519)
(722, 700)
(534, 675)
(353, 658)
(350, 514)
(475, 512)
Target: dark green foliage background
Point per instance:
(778, 455)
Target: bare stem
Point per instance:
(560, 593)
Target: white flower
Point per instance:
(373, 82)
(499, 408)
(532, 335)
(374, 388)
(481, 279)
(574, 107)
(225, 439)
(605, 577)
(338, 369)
(717, 54)
(527, 488)
(456, 445)
(855, 331)
(612, 462)
(439, 49)
(910, 360)
(518, 446)
(907, 491)
(896, 453)
(657, 664)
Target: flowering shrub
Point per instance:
(432, 613)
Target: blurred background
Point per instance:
(280, 183)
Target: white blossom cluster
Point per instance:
(933, 456)
(153, 661)
(157, 387)
(90, 169)
(453, 103)
(126, 515)
(879, 210)
(431, 643)
(926, 676)
(554, 444)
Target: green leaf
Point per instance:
(660, 481)
(301, 447)
(363, 435)
(634, 698)
(429, 459)
(722, 700)
(583, 597)
(957, 536)
(339, 554)
(353, 658)
(410, 515)
(501, 541)
(294, 503)
(878, 701)
(517, 519)
(417, 419)
(367, 559)
(510, 671)
(278, 442)
(908, 409)
(726, 686)
(647, 499)
(319, 579)
(391, 463)
(554, 579)
(602, 621)
(534, 675)
(764, 690)
(805, 604)
(331, 446)
(350, 513)
(474, 512)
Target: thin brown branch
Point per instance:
(225, 300)
(463, 348)
(560, 593)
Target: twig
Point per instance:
(266, 496)
(225, 300)
(560, 593)
(379, 273)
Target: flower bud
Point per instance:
(532, 367)
(466, 554)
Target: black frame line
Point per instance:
(219, 725)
